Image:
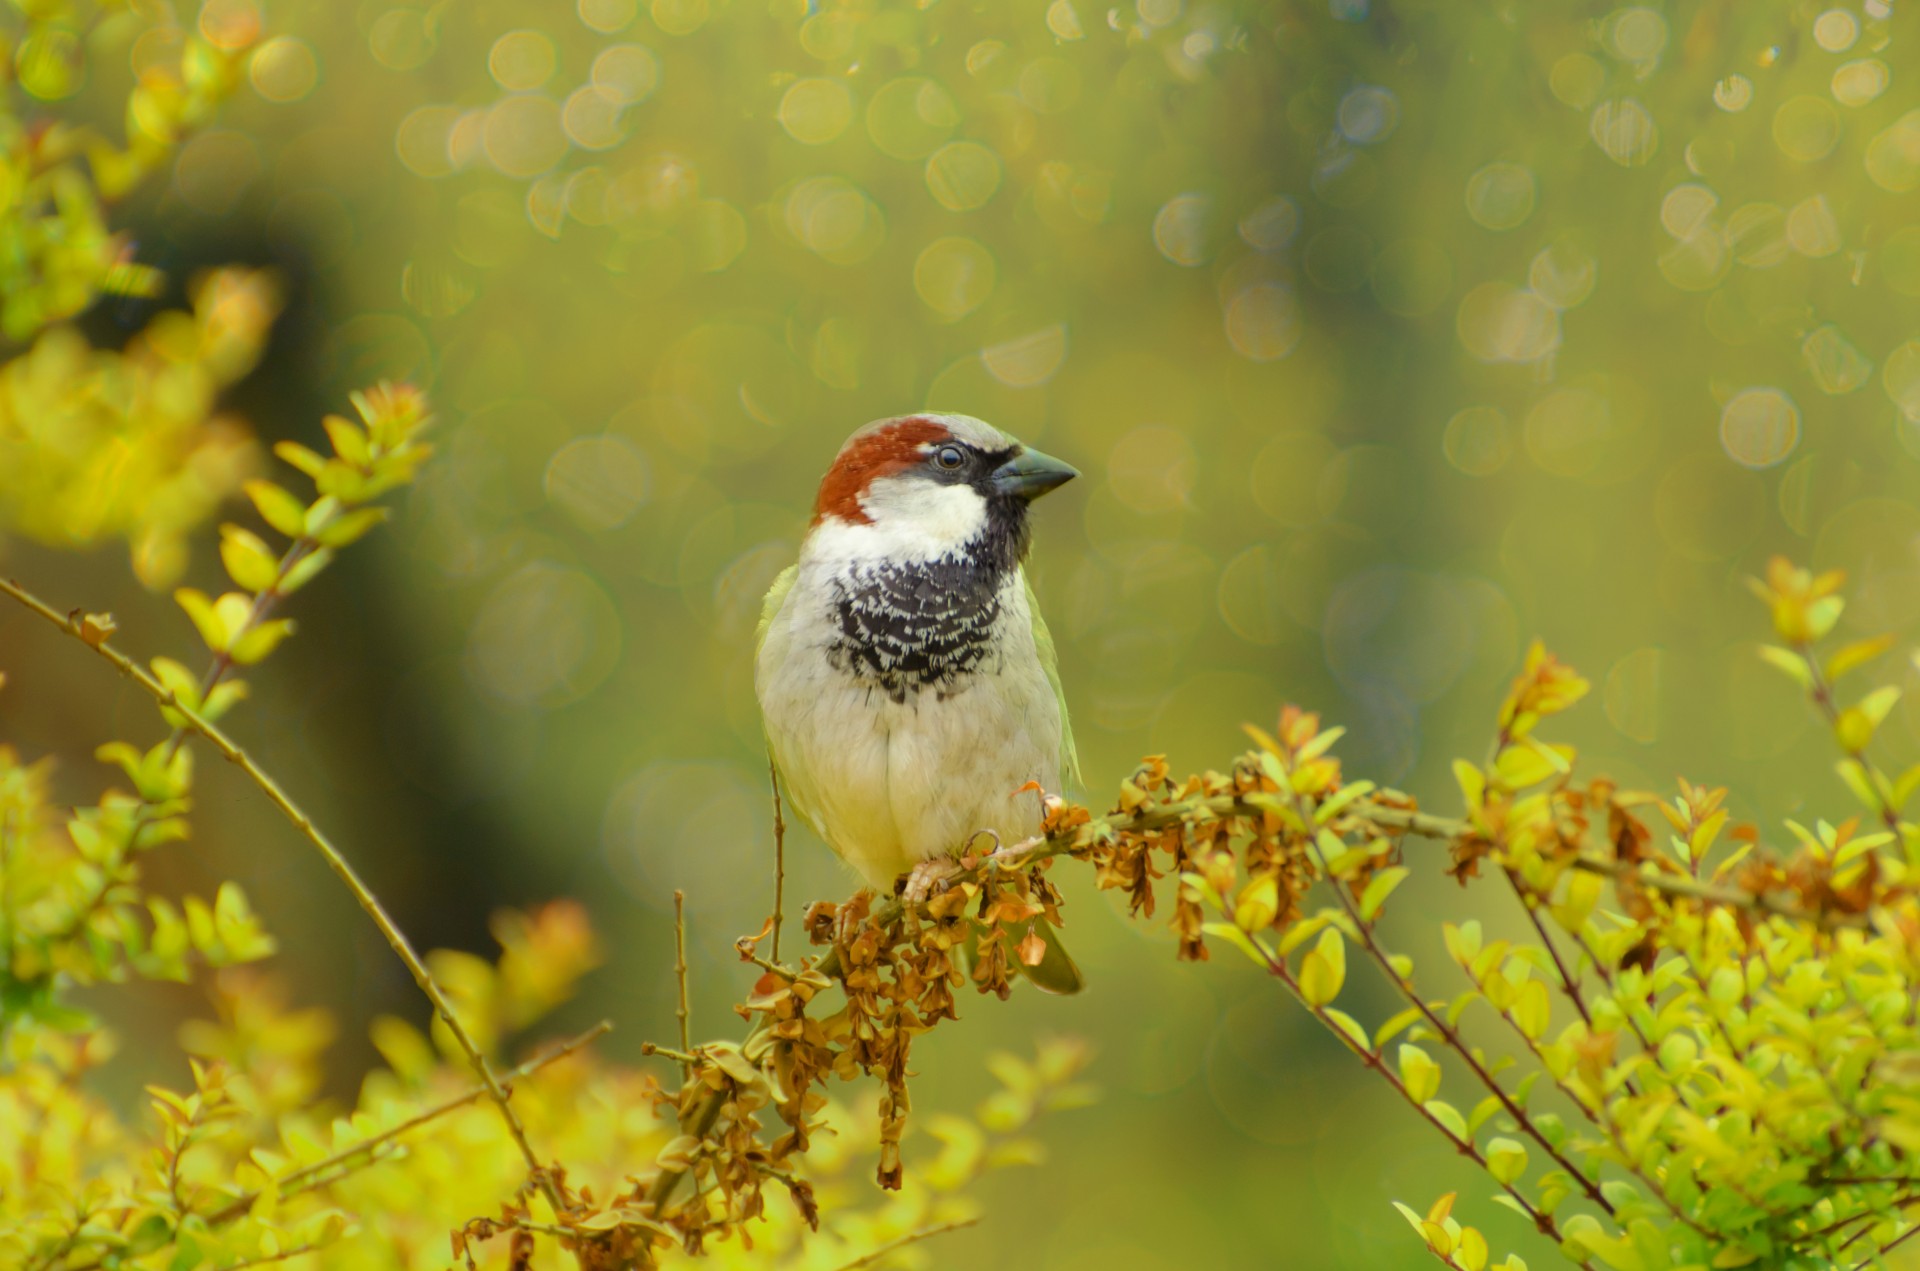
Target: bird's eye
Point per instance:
(949, 457)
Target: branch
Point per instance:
(912, 1237)
(396, 939)
(1438, 827)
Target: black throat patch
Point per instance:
(918, 625)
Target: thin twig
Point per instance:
(912, 1237)
(1445, 828)
(1888, 1247)
(396, 939)
(779, 857)
(684, 1058)
(306, 1178)
(1568, 984)
(680, 974)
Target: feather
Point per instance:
(1050, 663)
(776, 596)
(1056, 971)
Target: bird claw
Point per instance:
(923, 878)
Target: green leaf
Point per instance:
(1473, 784)
(1533, 1010)
(1447, 1115)
(1903, 788)
(1506, 1160)
(1822, 614)
(305, 570)
(1320, 745)
(1350, 1026)
(1379, 887)
(1854, 774)
(1463, 941)
(1418, 1073)
(349, 442)
(1235, 937)
(1856, 654)
(263, 639)
(1471, 1253)
(1786, 660)
(1395, 1025)
(1258, 903)
(1877, 704)
(1524, 764)
(1700, 842)
(351, 527)
(1483, 1112)
(307, 461)
(1340, 800)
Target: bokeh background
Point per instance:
(1387, 335)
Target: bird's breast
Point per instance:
(910, 628)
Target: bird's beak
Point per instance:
(1030, 474)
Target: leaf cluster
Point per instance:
(100, 444)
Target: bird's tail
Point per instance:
(1056, 971)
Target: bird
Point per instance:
(909, 687)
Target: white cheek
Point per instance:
(913, 519)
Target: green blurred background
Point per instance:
(1387, 336)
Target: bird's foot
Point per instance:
(928, 875)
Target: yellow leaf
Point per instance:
(213, 629)
(1473, 785)
(1324, 969)
(1533, 1010)
(1853, 730)
(1418, 1073)
(1472, 1252)
(277, 507)
(1258, 903)
(249, 561)
(1379, 888)
(95, 628)
(1856, 654)
(1790, 663)
(1506, 1160)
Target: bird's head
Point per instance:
(920, 487)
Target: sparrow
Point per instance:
(909, 687)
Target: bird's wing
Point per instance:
(1050, 663)
(776, 595)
